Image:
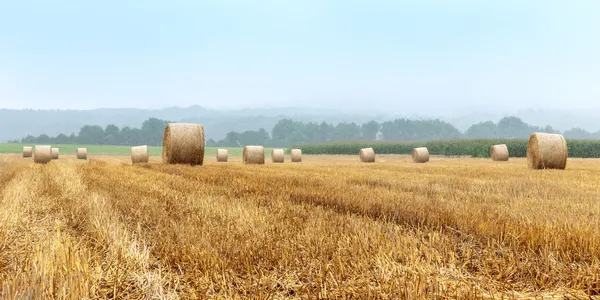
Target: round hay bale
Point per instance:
(254, 155)
(499, 152)
(222, 155)
(27, 151)
(367, 155)
(277, 156)
(296, 155)
(547, 151)
(81, 153)
(183, 143)
(55, 153)
(139, 154)
(42, 154)
(420, 155)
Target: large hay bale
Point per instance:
(367, 155)
(42, 154)
(222, 155)
(420, 155)
(296, 155)
(55, 153)
(27, 152)
(277, 156)
(183, 143)
(139, 154)
(81, 153)
(254, 155)
(547, 151)
(499, 152)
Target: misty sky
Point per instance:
(387, 55)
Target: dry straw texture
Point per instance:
(547, 151)
(222, 155)
(296, 155)
(420, 155)
(183, 143)
(458, 229)
(55, 153)
(499, 152)
(139, 154)
(81, 153)
(27, 151)
(277, 156)
(42, 154)
(254, 155)
(367, 155)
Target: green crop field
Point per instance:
(473, 148)
(110, 150)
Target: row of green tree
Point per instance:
(288, 132)
(151, 133)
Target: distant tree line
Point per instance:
(288, 132)
(151, 133)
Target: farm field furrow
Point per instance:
(329, 227)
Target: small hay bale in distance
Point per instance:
(420, 155)
(547, 151)
(499, 152)
(254, 155)
(222, 155)
(296, 155)
(81, 153)
(42, 154)
(277, 156)
(183, 143)
(27, 152)
(139, 154)
(367, 155)
(55, 153)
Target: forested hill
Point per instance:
(16, 124)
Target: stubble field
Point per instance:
(329, 227)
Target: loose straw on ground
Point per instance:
(183, 143)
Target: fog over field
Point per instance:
(251, 63)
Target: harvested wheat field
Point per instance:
(329, 227)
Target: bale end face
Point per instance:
(183, 143)
(42, 154)
(499, 152)
(254, 155)
(277, 156)
(420, 155)
(367, 155)
(547, 151)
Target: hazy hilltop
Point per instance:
(16, 124)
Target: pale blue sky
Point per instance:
(379, 55)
